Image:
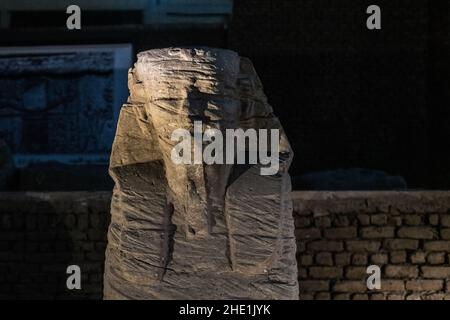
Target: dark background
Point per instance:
(347, 96)
(352, 97)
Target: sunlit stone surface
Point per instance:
(196, 231)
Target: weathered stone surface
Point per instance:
(196, 231)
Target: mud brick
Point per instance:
(314, 285)
(95, 234)
(100, 246)
(325, 272)
(359, 259)
(379, 259)
(377, 232)
(395, 221)
(379, 219)
(350, 286)
(417, 233)
(445, 234)
(445, 220)
(392, 285)
(70, 221)
(49, 235)
(323, 245)
(342, 259)
(302, 273)
(363, 246)
(418, 257)
(437, 246)
(436, 258)
(360, 296)
(307, 233)
(301, 246)
(95, 220)
(301, 222)
(401, 244)
(341, 233)
(305, 259)
(424, 285)
(322, 222)
(396, 297)
(322, 296)
(398, 257)
(435, 272)
(83, 221)
(433, 219)
(356, 273)
(341, 221)
(394, 271)
(306, 296)
(95, 256)
(364, 219)
(447, 286)
(434, 296)
(412, 220)
(324, 258)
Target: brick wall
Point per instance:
(41, 234)
(407, 234)
(339, 234)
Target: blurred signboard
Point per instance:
(61, 103)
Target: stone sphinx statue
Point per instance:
(196, 231)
